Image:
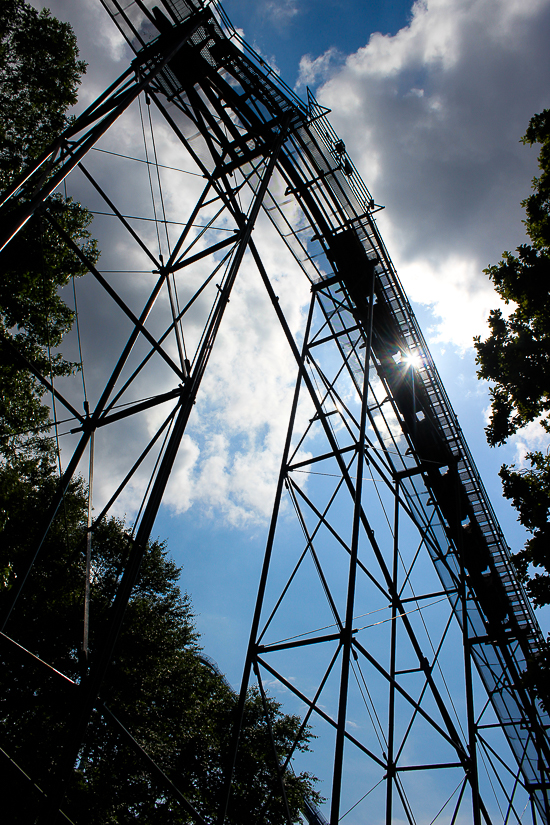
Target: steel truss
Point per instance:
(387, 607)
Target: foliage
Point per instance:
(39, 77)
(529, 492)
(34, 318)
(178, 709)
(516, 357)
(517, 354)
(537, 205)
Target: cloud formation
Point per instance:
(228, 463)
(244, 403)
(315, 70)
(280, 12)
(432, 117)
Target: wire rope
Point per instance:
(410, 569)
(382, 505)
(481, 754)
(141, 160)
(440, 811)
(165, 334)
(330, 475)
(77, 322)
(313, 375)
(430, 642)
(313, 553)
(81, 360)
(360, 800)
(88, 557)
(156, 165)
(88, 567)
(150, 177)
(48, 348)
(381, 736)
(436, 659)
(358, 629)
(398, 782)
(152, 220)
(422, 692)
(170, 277)
(404, 800)
(487, 750)
(45, 426)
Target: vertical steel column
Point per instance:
(472, 731)
(393, 646)
(347, 637)
(86, 629)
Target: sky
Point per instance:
(431, 100)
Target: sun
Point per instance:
(411, 359)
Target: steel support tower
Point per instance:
(387, 607)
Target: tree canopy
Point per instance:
(516, 359)
(39, 77)
(178, 709)
(516, 355)
(34, 318)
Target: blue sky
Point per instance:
(286, 31)
(431, 103)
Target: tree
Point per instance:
(516, 355)
(177, 708)
(39, 77)
(34, 318)
(516, 358)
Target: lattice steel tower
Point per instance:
(389, 607)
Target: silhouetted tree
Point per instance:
(516, 358)
(39, 77)
(177, 708)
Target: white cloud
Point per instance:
(244, 402)
(229, 460)
(531, 437)
(316, 70)
(458, 294)
(281, 12)
(432, 117)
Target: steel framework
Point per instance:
(387, 605)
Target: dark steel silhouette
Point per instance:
(392, 613)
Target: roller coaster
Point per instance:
(388, 608)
